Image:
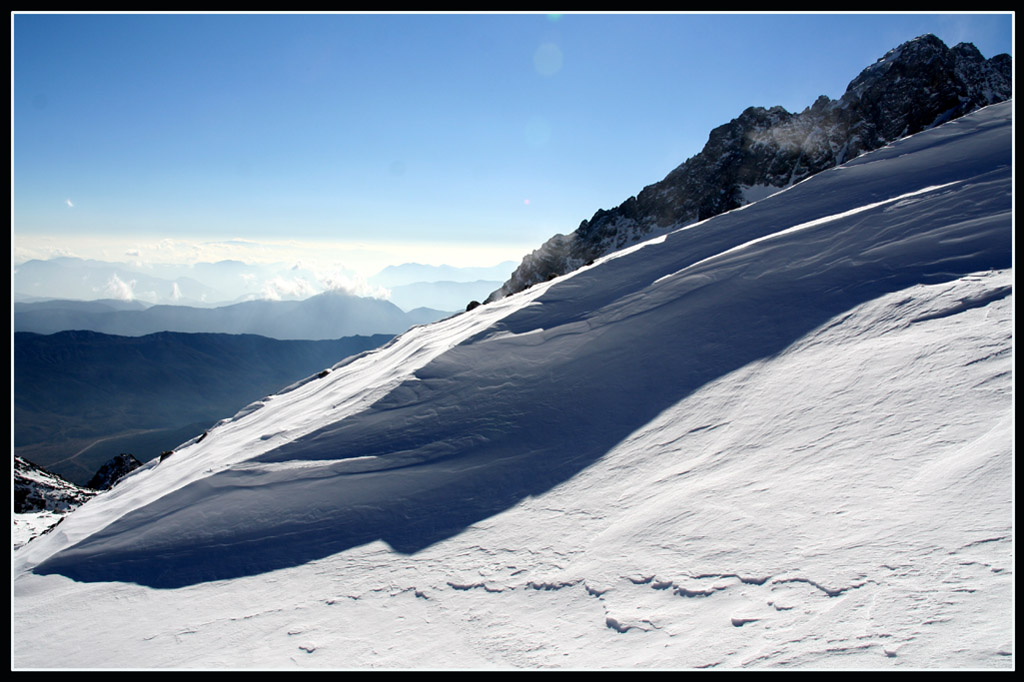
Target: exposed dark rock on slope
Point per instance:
(36, 489)
(46, 498)
(113, 471)
(915, 86)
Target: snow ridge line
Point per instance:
(807, 225)
(979, 301)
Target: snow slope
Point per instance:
(779, 437)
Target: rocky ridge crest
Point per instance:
(916, 86)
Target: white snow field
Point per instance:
(781, 437)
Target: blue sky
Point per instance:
(385, 138)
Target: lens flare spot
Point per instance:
(547, 59)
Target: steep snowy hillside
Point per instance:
(778, 437)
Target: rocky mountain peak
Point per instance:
(917, 85)
(113, 471)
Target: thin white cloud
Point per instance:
(117, 288)
(68, 202)
(365, 258)
(354, 285)
(280, 288)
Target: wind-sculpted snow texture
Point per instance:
(456, 422)
(917, 85)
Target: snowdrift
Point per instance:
(789, 426)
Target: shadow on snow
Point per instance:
(548, 391)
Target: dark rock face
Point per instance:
(918, 85)
(36, 489)
(113, 471)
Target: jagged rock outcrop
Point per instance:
(113, 471)
(36, 489)
(918, 85)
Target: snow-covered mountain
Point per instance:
(41, 500)
(36, 489)
(917, 85)
(782, 436)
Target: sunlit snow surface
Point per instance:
(779, 437)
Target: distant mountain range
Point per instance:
(415, 273)
(88, 279)
(205, 285)
(444, 295)
(443, 287)
(916, 86)
(330, 315)
(81, 397)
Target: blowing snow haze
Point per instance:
(780, 435)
